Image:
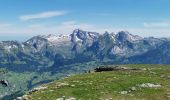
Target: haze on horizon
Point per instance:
(23, 19)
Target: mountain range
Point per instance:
(42, 51)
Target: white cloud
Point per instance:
(43, 15)
(68, 26)
(69, 23)
(156, 24)
(2, 25)
(36, 26)
(40, 29)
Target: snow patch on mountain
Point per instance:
(58, 39)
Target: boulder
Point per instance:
(4, 83)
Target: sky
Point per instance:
(22, 19)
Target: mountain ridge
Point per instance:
(84, 44)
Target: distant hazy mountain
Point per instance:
(41, 52)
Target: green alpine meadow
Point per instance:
(147, 82)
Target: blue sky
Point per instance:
(21, 19)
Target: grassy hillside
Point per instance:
(19, 82)
(150, 82)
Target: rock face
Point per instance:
(82, 40)
(82, 46)
(124, 36)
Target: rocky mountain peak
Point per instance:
(34, 39)
(50, 35)
(126, 36)
(80, 35)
